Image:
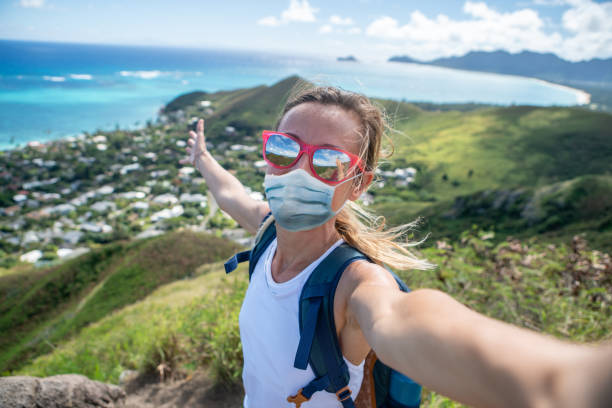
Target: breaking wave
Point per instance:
(141, 74)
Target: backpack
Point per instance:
(318, 341)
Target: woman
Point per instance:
(321, 158)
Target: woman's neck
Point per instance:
(296, 250)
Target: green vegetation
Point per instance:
(43, 306)
(183, 325)
(184, 101)
(499, 148)
(564, 290)
(556, 212)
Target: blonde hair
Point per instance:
(358, 227)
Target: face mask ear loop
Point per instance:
(345, 201)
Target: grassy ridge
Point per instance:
(503, 147)
(564, 290)
(457, 152)
(67, 297)
(187, 323)
(249, 110)
(558, 211)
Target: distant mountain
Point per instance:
(349, 58)
(532, 64)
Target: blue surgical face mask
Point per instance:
(299, 201)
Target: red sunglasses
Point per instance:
(328, 164)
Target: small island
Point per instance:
(348, 58)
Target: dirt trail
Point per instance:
(194, 391)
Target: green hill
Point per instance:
(192, 322)
(457, 152)
(247, 110)
(564, 290)
(555, 212)
(43, 306)
(463, 152)
(494, 147)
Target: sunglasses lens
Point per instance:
(281, 150)
(331, 165)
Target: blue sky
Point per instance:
(368, 29)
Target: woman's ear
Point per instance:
(362, 185)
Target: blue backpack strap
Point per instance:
(232, 263)
(255, 253)
(318, 341)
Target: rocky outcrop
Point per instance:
(59, 391)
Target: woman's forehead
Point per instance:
(320, 124)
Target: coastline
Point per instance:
(50, 98)
(582, 97)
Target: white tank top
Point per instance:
(270, 333)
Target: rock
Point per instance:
(126, 376)
(58, 391)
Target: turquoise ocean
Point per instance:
(53, 90)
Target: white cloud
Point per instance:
(335, 26)
(269, 21)
(32, 3)
(337, 20)
(588, 17)
(326, 29)
(299, 11)
(588, 25)
(591, 26)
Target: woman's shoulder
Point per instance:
(364, 272)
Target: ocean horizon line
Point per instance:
(76, 87)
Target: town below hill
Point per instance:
(60, 199)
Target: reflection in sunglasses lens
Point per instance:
(281, 150)
(331, 165)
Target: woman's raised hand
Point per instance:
(196, 145)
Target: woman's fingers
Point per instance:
(195, 143)
(201, 140)
(200, 127)
(189, 158)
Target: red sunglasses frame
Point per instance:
(309, 150)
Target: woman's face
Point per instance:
(330, 125)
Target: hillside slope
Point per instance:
(44, 306)
(192, 324)
(555, 212)
(501, 147)
(457, 153)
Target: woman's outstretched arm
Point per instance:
(227, 189)
(474, 359)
